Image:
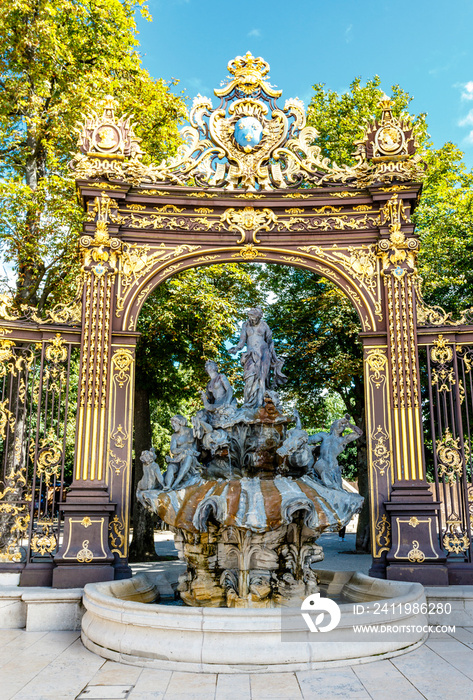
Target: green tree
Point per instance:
(444, 221)
(316, 328)
(57, 58)
(340, 118)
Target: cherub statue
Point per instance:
(218, 392)
(183, 460)
(152, 477)
(215, 441)
(332, 444)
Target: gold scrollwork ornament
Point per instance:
(117, 534)
(248, 219)
(49, 457)
(56, 351)
(381, 451)
(6, 418)
(450, 462)
(377, 362)
(416, 555)
(122, 360)
(44, 543)
(455, 540)
(383, 534)
(249, 252)
(441, 352)
(85, 555)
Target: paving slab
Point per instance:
(383, 681)
(151, 685)
(332, 684)
(56, 666)
(231, 686)
(433, 676)
(191, 686)
(105, 692)
(276, 685)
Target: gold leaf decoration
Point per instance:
(249, 252)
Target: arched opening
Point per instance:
(325, 390)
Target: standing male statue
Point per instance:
(259, 359)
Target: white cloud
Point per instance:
(466, 121)
(348, 34)
(254, 34)
(467, 93)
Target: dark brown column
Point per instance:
(379, 441)
(85, 555)
(119, 443)
(415, 554)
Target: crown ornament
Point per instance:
(248, 74)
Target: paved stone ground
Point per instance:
(55, 666)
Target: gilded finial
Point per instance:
(247, 74)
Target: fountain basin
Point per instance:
(122, 623)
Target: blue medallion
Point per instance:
(99, 270)
(248, 133)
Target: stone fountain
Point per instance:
(245, 494)
(247, 497)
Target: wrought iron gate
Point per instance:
(448, 420)
(38, 388)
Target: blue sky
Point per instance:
(425, 47)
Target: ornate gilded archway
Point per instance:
(249, 184)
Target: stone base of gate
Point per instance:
(426, 574)
(40, 609)
(415, 554)
(84, 556)
(460, 574)
(37, 574)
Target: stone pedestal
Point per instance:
(84, 556)
(415, 554)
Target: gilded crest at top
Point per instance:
(247, 142)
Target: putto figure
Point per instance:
(259, 359)
(182, 464)
(152, 477)
(218, 392)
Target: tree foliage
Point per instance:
(315, 327)
(444, 222)
(57, 59)
(185, 322)
(340, 118)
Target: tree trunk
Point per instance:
(357, 409)
(363, 530)
(142, 545)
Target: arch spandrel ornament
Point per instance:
(249, 184)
